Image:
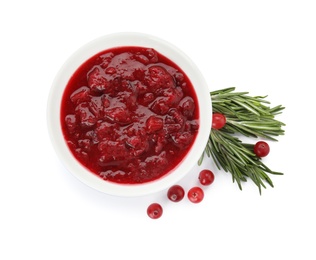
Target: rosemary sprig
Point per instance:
(251, 117)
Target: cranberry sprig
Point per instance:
(237, 113)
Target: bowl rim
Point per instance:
(116, 40)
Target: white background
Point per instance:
(264, 47)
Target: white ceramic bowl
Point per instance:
(116, 40)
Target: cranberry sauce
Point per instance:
(129, 115)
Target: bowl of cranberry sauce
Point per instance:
(129, 114)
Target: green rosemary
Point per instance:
(248, 116)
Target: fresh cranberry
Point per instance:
(206, 177)
(175, 193)
(195, 194)
(218, 121)
(261, 149)
(154, 210)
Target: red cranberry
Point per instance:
(261, 149)
(154, 210)
(206, 177)
(218, 121)
(175, 193)
(195, 194)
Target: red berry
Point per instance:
(195, 194)
(218, 121)
(154, 210)
(206, 177)
(175, 193)
(261, 149)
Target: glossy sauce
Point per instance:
(129, 115)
